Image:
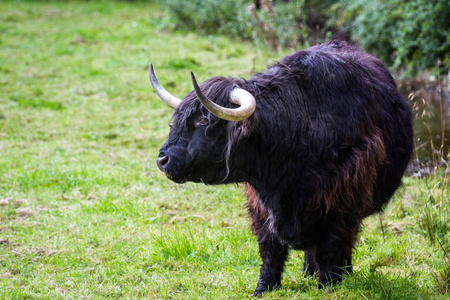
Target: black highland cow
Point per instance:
(321, 140)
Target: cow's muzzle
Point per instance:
(162, 161)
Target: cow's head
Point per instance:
(205, 124)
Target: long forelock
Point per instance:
(217, 89)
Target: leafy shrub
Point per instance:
(211, 16)
(410, 35)
(286, 21)
(239, 19)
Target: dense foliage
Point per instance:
(410, 36)
(211, 16)
(240, 19)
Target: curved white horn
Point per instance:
(165, 96)
(238, 96)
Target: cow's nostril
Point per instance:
(162, 162)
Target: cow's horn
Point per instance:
(238, 96)
(165, 96)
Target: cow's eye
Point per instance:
(201, 121)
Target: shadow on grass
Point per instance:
(382, 286)
(359, 285)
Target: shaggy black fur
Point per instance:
(327, 146)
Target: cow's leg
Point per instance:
(334, 255)
(334, 261)
(310, 264)
(273, 255)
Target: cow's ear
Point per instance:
(244, 128)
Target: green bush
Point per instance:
(409, 35)
(286, 21)
(211, 16)
(239, 20)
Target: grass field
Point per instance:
(86, 214)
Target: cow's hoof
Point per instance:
(261, 290)
(265, 284)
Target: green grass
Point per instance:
(84, 212)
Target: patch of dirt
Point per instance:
(25, 212)
(54, 12)
(46, 252)
(176, 219)
(6, 275)
(19, 202)
(10, 201)
(5, 201)
(79, 40)
(4, 228)
(397, 229)
(42, 208)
